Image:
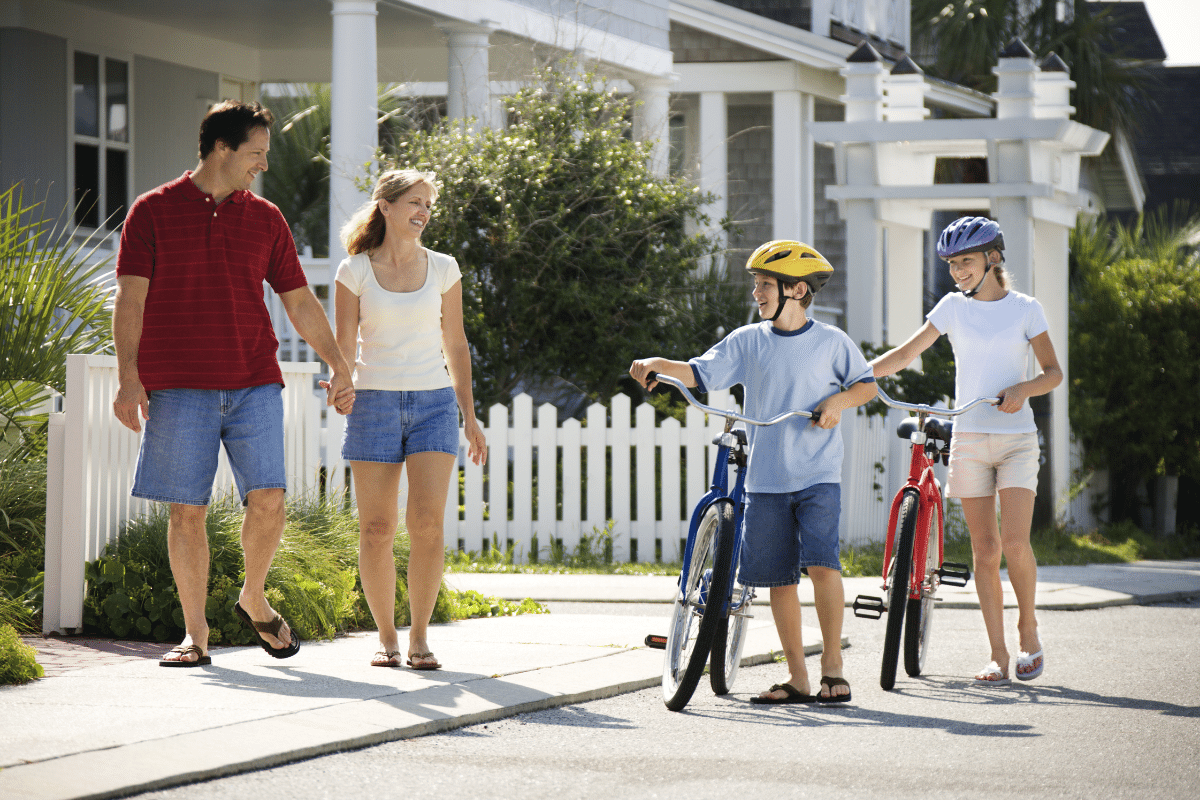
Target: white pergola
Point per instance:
(885, 153)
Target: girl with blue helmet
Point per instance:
(994, 450)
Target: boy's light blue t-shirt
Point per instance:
(785, 371)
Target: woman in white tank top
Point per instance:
(399, 319)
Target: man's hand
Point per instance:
(131, 398)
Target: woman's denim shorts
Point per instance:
(788, 532)
(387, 427)
(181, 440)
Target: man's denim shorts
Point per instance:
(386, 427)
(788, 532)
(182, 438)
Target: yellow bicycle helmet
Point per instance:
(791, 261)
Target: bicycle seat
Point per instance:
(935, 428)
(940, 428)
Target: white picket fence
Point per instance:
(543, 480)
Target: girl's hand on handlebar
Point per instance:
(1012, 399)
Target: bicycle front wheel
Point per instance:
(730, 639)
(919, 615)
(897, 591)
(696, 615)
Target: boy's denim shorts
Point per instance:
(788, 532)
(182, 439)
(387, 427)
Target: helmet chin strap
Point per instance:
(987, 266)
(782, 301)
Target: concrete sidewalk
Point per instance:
(108, 721)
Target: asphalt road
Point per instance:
(1116, 714)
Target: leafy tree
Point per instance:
(298, 178)
(576, 259)
(1135, 351)
(959, 40)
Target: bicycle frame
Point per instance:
(922, 479)
(929, 493)
(907, 555)
(707, 596)
(727, 442)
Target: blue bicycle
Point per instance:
(711, 608)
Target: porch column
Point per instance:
(792, 159)
(864, 75)
(651, 120)
(468, 94)
(354, 111)
(714, 158)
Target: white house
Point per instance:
(100, 100)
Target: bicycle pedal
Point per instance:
(657, 642)
(868, 607)
(953, 574)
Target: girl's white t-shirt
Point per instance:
(991, 352)
(400, 333)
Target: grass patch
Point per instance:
(592, 556)
(1116, 543)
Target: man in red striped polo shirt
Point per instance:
(196, 355)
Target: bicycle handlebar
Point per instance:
(729, 414)
(940, 412)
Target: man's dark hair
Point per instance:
(231, 122)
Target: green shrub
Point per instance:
(313, 581)
(18, 661)
(1135, 351)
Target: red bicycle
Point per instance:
(914, 547)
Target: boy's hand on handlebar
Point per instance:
(643, 372)
(827, 414)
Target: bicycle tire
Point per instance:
(899, 571)
(726, 657)
(694, 622)
(919, 615)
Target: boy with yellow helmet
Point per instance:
(793, 482)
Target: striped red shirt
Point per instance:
(205, 323)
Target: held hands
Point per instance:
(339, 393)
(129, 401)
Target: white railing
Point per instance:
(888, 20)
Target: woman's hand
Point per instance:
(342, 400)
(476, 443)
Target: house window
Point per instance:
(101, 140)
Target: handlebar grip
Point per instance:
(651, 376)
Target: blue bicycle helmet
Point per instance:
(969, 235)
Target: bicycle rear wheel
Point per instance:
(897, 591)
(696, 615)
(727, 645)
(919, 615)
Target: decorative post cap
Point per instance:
(1016, 49)
(906, 66)
(864, 54)
(1052, 63)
